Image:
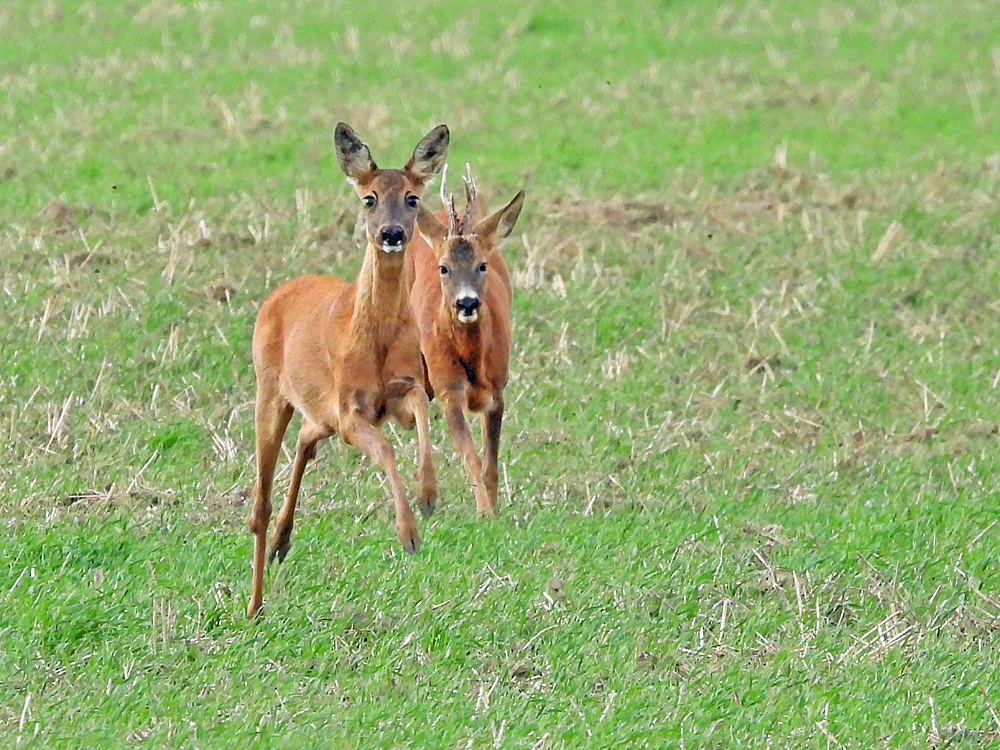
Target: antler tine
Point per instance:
(444, 179)
(470, 198)
(454, 226)
(470, 183)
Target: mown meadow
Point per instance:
(750, 458)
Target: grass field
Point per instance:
(750, 460)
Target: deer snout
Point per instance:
(468, 309)
(392, 239)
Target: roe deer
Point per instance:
(461, 296)
(347, 355)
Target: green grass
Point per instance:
(749, 464)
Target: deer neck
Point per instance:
(468, 339)
(381, 300)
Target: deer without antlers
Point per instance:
(347, 355)
(461, 295)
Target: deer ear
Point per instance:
(430, 154)
(501, 222)
(352, 155)
(430, 226)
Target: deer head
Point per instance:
(463, 248)
(390, 197)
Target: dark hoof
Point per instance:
(410, 542)
(279, 551)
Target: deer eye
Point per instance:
(369, 201)
(482, 267)
(412, 201)
(443, 270)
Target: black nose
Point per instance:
(467, 304)
(392, 236)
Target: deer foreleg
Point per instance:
(362, 435)
(454, 411)
(492, 422)
(271, 418)
(305, 451)
(427, 487)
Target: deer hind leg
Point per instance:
(305, 451)
(360, 433)
(271, 416)
(454, 412)
(414, 409)
(492, 422)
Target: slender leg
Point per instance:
(305, 451)
(427, 487)
(407, 398)
(271, 417)
(366, 438)
(454, 412)
(492, 422)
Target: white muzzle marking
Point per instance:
(467, 316)
(387, 248)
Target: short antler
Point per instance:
(448, 199)
(459, 226)
(470, 199)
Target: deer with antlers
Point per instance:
(461, 295)
(347, 355)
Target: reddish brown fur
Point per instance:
(346, 355)
(467, 363)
